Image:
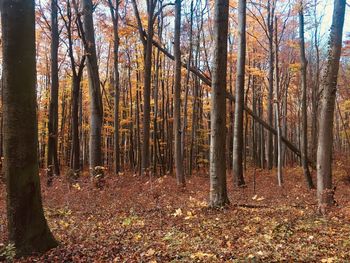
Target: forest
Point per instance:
(175, 131)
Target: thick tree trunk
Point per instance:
(28, 229)
(304, 143)
(147, 89)
(96, 109)
(218, 190)
(177, 98)
(325, 192)
(52, 158)
(237, 167)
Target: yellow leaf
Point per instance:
(150, 252)
(201, 255)
(178, 212)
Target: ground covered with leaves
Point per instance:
(142, 219)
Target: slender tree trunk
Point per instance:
(75, 149)
(27, 226)
(303, 60)
(325, 192)
(237, 167)
(218, 190)
(278, 138)
(187, 89)
(177, 98)
(315, 88)
(269, 142)
(52, 158)
(114, 10)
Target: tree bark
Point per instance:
(278, 138)
(147, 88)
(325, 192)
(304, 143)
(114, 10)
(52, 158)
(28, 229)
(177, 98)
(218, 189)
(96, 109)
(237, 167)
(269, 142)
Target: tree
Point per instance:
(218, 191)
(76, 80)
(52, 158)
(27, 226)
(269, 33)
(303, 69)
(325, 193)
(177, 97)
(96, 108)
(114, 10)
(237, 167)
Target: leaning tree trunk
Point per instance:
(52, 158)
(96, 110)
(237, 165)
(325, 193)
(303, 60)
(28, 229)
(218, 191)
(177, 98)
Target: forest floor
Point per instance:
(135, 219)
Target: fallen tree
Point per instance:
(229, 96)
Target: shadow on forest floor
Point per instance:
(134, 219)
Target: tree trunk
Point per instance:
(114, 10)
(96, 110)
(177, 98)
(75, 149)
(52, 158)
(278, 138)
(237, 167)
(28, 229)
(269, 142)
(325, 193)
(218, 190)
(147, 89)
(303, 60)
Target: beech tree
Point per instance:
(114, 10)
(52, 158)
(325, 191)
(177, 97)
(218, 188)
(96, 108)
(77, 74)
(237, 166)
(304, 140)
(27, 226)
